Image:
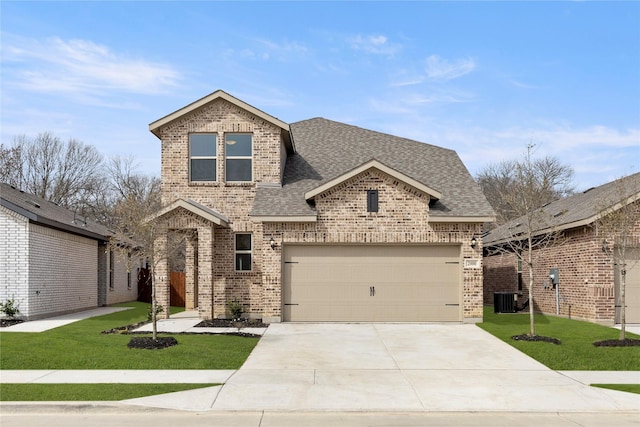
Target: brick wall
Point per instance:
(125, 283)
(14, 256)
(62, 272)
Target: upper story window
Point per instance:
(238, 155)
(202, 156)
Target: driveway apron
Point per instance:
(408, 367)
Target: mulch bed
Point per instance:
(525, 337)
(148, 343)
(227, 323)
(4, 323)
(628, 342)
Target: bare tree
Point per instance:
(138, 234)
(550, 180)
(619, 219)
(11, 165)
(66, 173)
(529, 191)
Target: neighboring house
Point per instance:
(318, 220)
(589, 283)
(53, 261)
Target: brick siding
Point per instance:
(62, 272)
(14, 259)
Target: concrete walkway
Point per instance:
(55, 322)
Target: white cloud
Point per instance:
(441, 69)
(81, 67)
(376, 44)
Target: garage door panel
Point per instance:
(632, 288)
(335, 283)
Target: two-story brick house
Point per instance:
(318, 220)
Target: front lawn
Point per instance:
(629, 388)
(576, 351)
(81, 345)
(87, 392)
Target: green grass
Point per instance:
(81, 345)
(629, 388)
(576, 352)
(87, 392)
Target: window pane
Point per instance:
(243, 262)
(243, 242)
(238, 144)
(202, 144)
(238, 169)
(203, 169)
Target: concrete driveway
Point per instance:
(403, 367)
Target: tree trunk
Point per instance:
(623, 311)
(532, 325)
(154, 306)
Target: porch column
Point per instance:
(205, 272)
(160, 279)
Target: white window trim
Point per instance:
(203, 157)
(250, 157)
(236, 252)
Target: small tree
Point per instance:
(136, 234)
(528, 235)
(619, 219)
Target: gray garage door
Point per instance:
(372, 283)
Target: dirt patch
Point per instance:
(226, 323)
(525, 337)
(628, 342)
(124, 329)
(5, 323)
(148, 343)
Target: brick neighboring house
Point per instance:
(318, 220)
(589, 284)
(53, 261)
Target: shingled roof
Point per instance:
(327, 150)
(574, 211)
(44, 212)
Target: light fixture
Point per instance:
(272, 243)
(474, 242)
(605, 246)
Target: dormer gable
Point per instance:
(373, 164)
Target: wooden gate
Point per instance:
(178, 287)
(178, 282)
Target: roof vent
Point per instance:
(33, 203)
(557, 214)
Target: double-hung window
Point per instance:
(238, 157)
(202, 157)
(243, 244)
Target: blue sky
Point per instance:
(482, 78)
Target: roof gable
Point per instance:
(155, 126)
(372, 164)
(195, 208)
